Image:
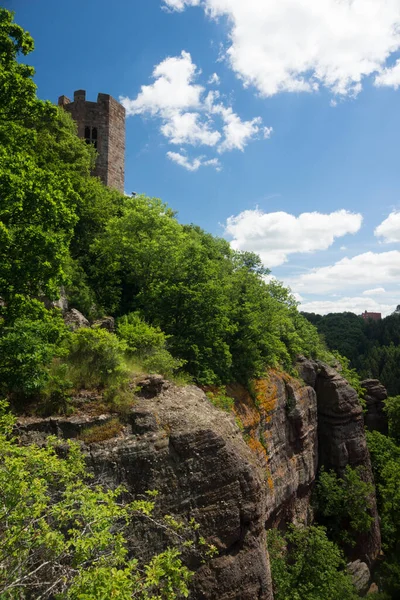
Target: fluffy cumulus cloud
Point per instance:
(361, 270)
(301, 45)
(188, 114)
(389, 229)
(389, 77)
(274, 236)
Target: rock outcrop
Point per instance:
(375, 395)
(281, 425)
(107, 323)
(194, 455)
(233, 483)
(342, 441)
(75, 319)
(360, 575)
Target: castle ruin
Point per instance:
(102, 124)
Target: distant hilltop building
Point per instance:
(102, 124)
(371, 315)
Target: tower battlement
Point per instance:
(102, 124)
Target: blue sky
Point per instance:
(273, 123)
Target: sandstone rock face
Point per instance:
(75, 320)
(194, 455)
(375, 394)
(342, 441)
(175, 441)
(283, 432)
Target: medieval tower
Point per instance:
(102, 124)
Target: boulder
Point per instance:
(61, 303)
(107, 323)
(360, 575)
(75, 320)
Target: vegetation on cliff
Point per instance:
(184, 302)
(372, 347)
(199, 305)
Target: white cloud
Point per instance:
(172, 90)
(187, 113)
(274, 236)
(343, 248)
(238, 133)
(363, 269)
(195, 164)
(389, 77)
(375, 292)
(389, 229)
(186, 128)
(214, 80)
(354, 304)
(180, 5)
(301, 45)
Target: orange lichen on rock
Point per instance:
(256, 446)
(245, 408)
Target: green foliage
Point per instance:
(63, 536)
(96, 357)
(221, 400)
(385, 458)
(162, 362)
(27, 347)
(373, 347)
(344, 504)
(392, 409)
(305, 564)
(141, 338)
(350, 375)
(213, 304)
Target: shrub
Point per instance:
(27, 347)
(221, 400)
(344, 504)
(305, 564)
(161, 361)
(96, 357)
(140, 338)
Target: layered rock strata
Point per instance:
(342, 441)
(177, 443)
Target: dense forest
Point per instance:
(373, 347)
(185, 305)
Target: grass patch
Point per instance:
(100, 433)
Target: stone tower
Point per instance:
(102, 124)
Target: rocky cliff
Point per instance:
(234, 483)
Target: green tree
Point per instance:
(392, 409)
(344, 504)
(385, 458)
(306, 564)
(64, 536)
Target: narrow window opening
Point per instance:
(91, 135)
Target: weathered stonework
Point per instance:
(103, 124)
